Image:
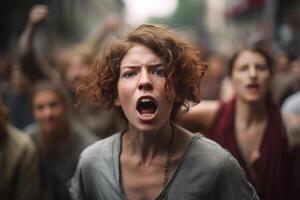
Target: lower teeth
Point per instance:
(147, 114)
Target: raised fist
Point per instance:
(38, 14)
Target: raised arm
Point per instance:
(107, 26)
(37, 15)
(27, 58)
(200, 117)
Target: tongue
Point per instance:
(147, 111)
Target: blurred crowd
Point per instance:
(45, 123)
(44, 127)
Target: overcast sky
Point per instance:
(138, 11)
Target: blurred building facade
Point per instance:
(276, 22)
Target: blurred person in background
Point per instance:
(73, 63)
(14, 93)
(18, 163)
(292, 105)
(59, 140)
(293, 84)
(212, 80)
(251, 126)
(282, 79)
(282, 61)
(4, 73)
(295, 76)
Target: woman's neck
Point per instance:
(147, 146)
(250, 113)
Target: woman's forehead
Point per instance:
(248, 56)
(45, 92)
(140, 54)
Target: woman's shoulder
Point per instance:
(208, 152)
(97, 167)
(101, 149)
(218, 171)
(215, 159)
(19, 140)
(201, 149)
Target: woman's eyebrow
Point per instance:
(129, 67)
(156, 65)
(137, 66)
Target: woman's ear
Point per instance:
(117, 101)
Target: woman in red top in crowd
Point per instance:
(250, 126)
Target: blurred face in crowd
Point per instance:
(295, 70)
(141, 89)
(48, 110)
(75, 71)
(251, 76)
(282, 61)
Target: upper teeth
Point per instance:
(146, 100)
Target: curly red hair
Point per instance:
(183, 65)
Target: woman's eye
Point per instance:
(129, 74)
(261, 67)
(159, 72)
(39, 107)
(243, 68)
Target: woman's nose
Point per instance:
(47, 111)
(145, 81)
(252, 71)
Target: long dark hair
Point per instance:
(255, 49)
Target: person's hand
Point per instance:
(38, 14)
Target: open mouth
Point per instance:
(253, 86)
(146, 106)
